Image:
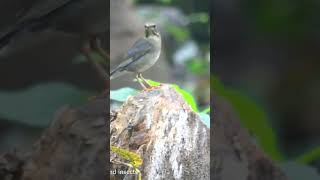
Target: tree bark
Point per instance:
(73, 147)
(156, 124)
(170, 138)
(234, 155)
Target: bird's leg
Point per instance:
(96, 45)
(144, 80)
(138, 78)
(86, 50)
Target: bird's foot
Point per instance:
(151, 88)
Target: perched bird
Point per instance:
(82, 18)
(141, 56)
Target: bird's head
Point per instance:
(151, 30)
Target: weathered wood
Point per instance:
(73, 147)
(161, 127)
(158, 125)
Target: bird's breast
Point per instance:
(145, 62)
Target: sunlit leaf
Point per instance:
(153, 83)
(134, 158)
(185, 94)
(187, 97)
(206, 110)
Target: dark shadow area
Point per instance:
(266, 56)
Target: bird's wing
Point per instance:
(139, 49)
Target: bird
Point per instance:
(83, 18)
(143, 54)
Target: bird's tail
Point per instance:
(117, 72)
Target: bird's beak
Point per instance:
(155, 32)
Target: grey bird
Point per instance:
(141, 56)
(82, 18)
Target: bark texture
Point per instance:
(73, 147)
(157, 124)
(171, 139)
(234, 155)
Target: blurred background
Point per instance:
(185, 31)
(268, 52)
(46, 74)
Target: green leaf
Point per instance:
(134, 158)
(252, 117)
(122, 94)
(37, 105)
(205, 118)
(153, 83)
(185, 94)
(187, 97)
(207, 110)
(310, 156)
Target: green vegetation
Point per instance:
(35, 106)
(123, 93)
(252, 117)
(256, 121)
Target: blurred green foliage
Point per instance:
(310, 156)
(198, 65)
(181, 34)
(200, 17)
(252, 117)
(186, 22)
(256, 121)
(165, 1)
(35, 106)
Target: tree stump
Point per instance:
(161, 127)
(156, 124)
(73, 147)
(234, 155)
